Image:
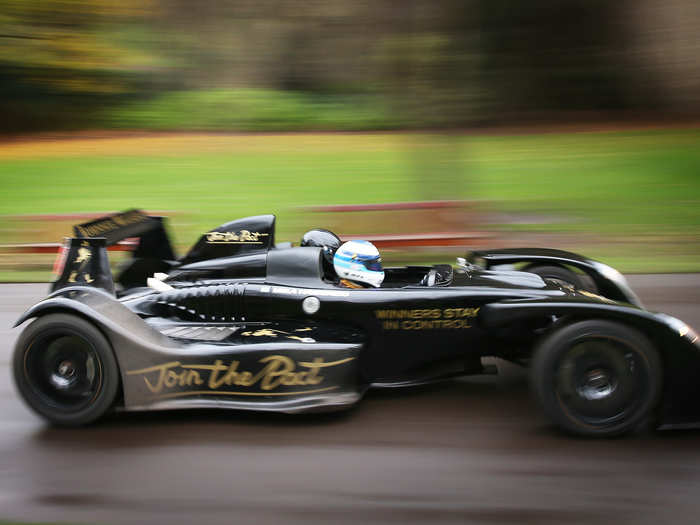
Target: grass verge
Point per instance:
(633, 196)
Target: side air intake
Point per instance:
(215, 303)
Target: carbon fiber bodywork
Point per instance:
(276, 334)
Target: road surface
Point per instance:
(470, 451)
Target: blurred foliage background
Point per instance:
(336, 64)
(570, 123)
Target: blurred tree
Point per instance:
(549, 56)
(430, 64)
(56, 56)
(441, 64)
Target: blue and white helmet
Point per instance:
(359, 261)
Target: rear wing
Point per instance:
(83, 259)
(153, 239)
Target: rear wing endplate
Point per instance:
(84, 262)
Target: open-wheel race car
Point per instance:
(243, 323)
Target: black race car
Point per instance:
(240, 322)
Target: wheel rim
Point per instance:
(64, 370)
(602, 381)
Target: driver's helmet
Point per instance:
(359, 261)
(328, 241)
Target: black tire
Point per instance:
(559, 274)
(65, 370)
(596, 378)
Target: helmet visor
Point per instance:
(374, 265)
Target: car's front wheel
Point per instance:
(560, 275)
(65, 370)
(596, 378)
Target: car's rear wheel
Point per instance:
(596, 378)
(65, 370)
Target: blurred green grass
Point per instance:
(630, 196)
(625, 183)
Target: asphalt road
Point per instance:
(469, 451)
